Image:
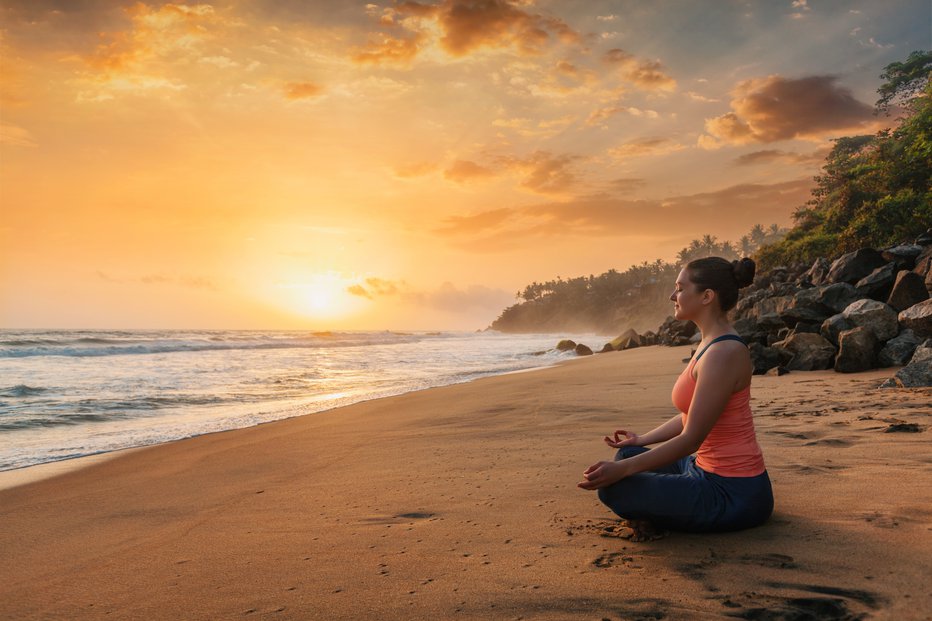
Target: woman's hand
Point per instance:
(603, 474)
(630, 439)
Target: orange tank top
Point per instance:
(731, 448)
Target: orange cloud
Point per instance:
(776, 108)
(464, 26)
(463, 171)
(645, 146)
(735, 209)
(390, 50)
(302, 90)
(648, 75)
(607, 112)
(768, 156)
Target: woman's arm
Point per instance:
(664, 432)
(713, 390)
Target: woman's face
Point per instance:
(687, 300)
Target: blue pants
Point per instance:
(683, 496)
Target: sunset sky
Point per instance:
(349, 165)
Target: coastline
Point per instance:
(38, 472)
(460, 502)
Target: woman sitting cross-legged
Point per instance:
(724, 486)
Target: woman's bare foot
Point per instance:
(643, 530)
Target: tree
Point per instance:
(904, 81)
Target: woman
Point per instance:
(724, 486)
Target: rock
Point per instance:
(818, 272)
(777, 371)
(903, 256)
(695, 338)
(769, 322)
(749, 330)
(902, 427)
(833, 326)
(764, 358)
(918, 318)
(855, 350)
(582, 350)
(606, 348)
(624, 336)
(808, 352)
(803, 314)
(924, 263)
(877, 284)
(908, 289)
(898, 350)
(880, 318)
(804, 326)
(630, 343)
(854, 266)
(838, 296)
(889, 383)
(649, 338)
(919, 370)
(925, 239)
(772, 304)
(681, 340)
(566, 345)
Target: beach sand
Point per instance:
(461, 502)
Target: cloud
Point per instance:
(648, 75)
(544, 172)
(624, 185)
(377, 287)
(15, 136)
(461, 27)
(607, 112)
(389, 50)
(697, 97)
(777, 108)
(464, 171)
(415, 169)
(302, 90)
(645, 146)
(769, 156)
(541, 172)
(446, 297)
(733, 209)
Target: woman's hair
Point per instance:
(722, 276)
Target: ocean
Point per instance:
(71, 393)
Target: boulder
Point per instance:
(918, 318)
(778, 371)
(770, 322)
(854, 266)
(877, 316)
(898, 350)
(802, 314)
(877, 284)
(855, 350)
(566, 345)
(649, 338)
(833, 326)
(695, 338)
(919, 370)
(925, 239)
(764, 358)
(625, 336)
(772, 304)
(582, 350)
(904, 256)
(807, 352)
(908, 289)
(818, 272)
(629, 343)
(749, 330)
(606, 348)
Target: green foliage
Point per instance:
(873, 190)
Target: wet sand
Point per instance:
(461, 503)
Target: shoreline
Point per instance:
(461, 502)
(23, 475)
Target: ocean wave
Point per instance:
(22, 390)
(101, 346)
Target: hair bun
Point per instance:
(744, 271)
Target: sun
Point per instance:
(320, 296)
